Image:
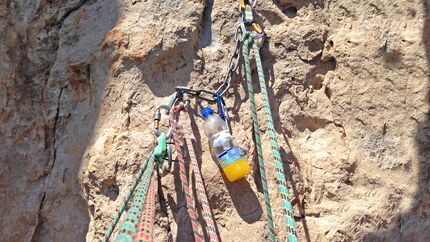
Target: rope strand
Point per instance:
(192, 211)
(145, 227)
(128, 226)
(280, 174)
(245, 47)
(127, 199)
(201, 193)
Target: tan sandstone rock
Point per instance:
(348, 87)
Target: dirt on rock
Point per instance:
(348, 86)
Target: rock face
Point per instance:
(348, 82)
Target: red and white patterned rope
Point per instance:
(192, 211)
(145, 227)
(201, 192)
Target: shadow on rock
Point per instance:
(242, 196)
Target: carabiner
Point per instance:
(220, 104)
(168, 167)
(239, 33)
(222, 109)
(243, 4)
(199, 93)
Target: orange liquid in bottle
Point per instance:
(237, 170)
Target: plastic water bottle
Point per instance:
(231, 158)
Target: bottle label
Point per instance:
(230, 156)
(221, 142)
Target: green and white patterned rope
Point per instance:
(128, 226)
(280, 173)
(279, 169)
(127, 199)
(268, 207)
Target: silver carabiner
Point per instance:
(239, 31)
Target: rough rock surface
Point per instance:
(349, 91)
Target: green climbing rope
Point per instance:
(279, 169)
(127, 198)
(128, 226)
(258, 140)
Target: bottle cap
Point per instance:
(206, 112)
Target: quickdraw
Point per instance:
(164, 150)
